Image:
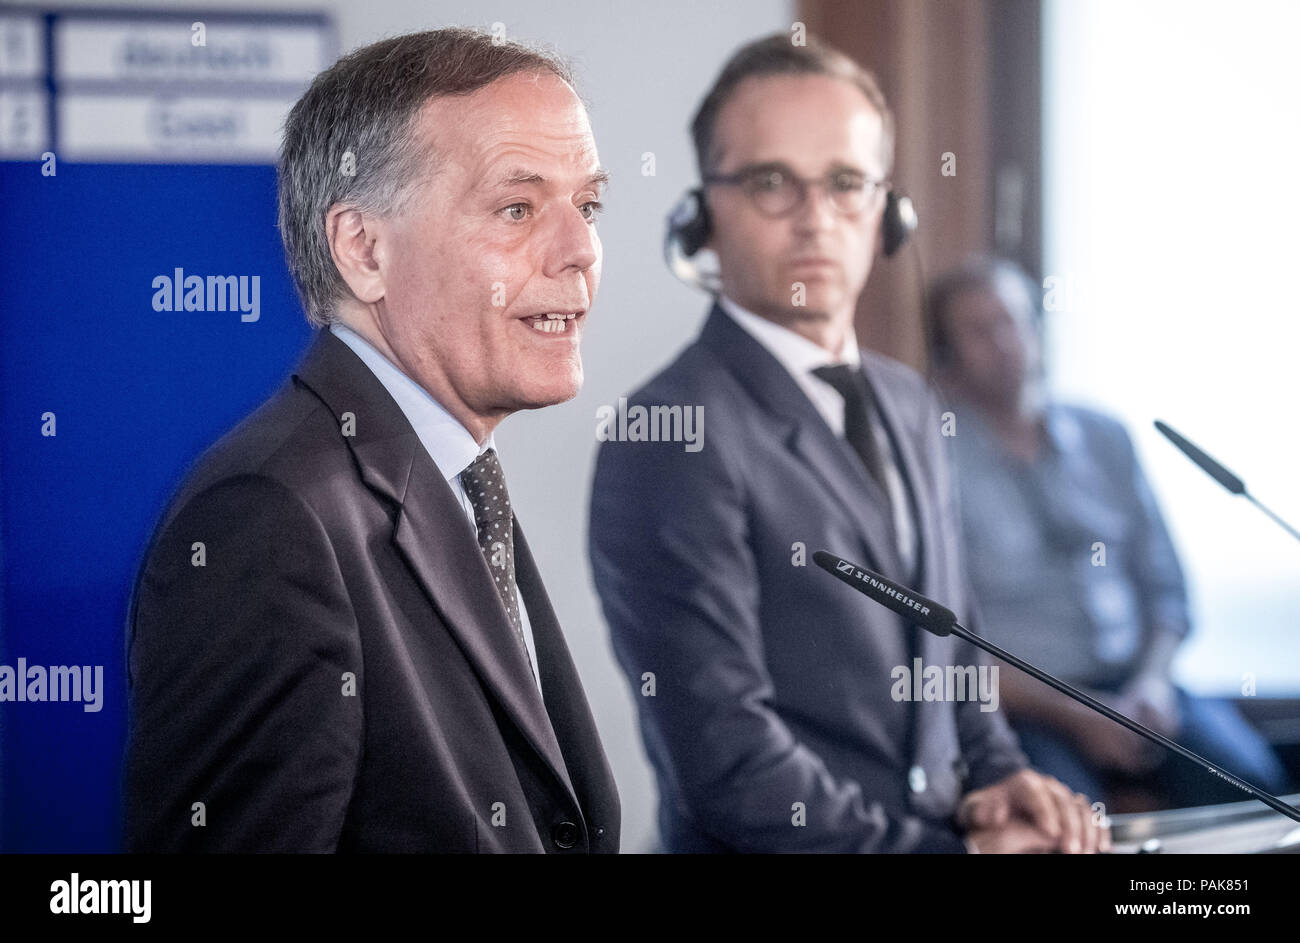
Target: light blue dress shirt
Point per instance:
(448, 443)
(1035, 535)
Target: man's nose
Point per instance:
(574, 244)
(815, 212)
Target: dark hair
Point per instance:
(349, 138)
(980, 271)
(778, 55)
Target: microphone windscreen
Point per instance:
(1208, 465)
(912, 606)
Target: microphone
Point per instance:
(941, 621)
(1220, 474)
(926, 613)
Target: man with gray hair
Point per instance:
(339, 640)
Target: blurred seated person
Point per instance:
(1072, 567)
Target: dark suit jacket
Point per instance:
(340, 675)
(772, 679)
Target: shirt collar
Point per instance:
(448, 443)
(796, 353)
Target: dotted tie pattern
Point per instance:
(485, 484)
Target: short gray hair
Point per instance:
(349, 138)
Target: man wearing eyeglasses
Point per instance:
(779, 708)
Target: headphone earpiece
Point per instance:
(690, 227)
(689, 223)
(898, 222)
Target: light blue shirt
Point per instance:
(1068, 556)
(448, 443)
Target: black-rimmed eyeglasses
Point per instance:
(776, 190)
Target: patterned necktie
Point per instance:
(849, 382)
(485, 485)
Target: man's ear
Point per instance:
(351, 236)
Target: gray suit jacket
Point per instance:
(772, 726)
(340, 673)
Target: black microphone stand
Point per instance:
(1219, 473)
(1273, 803)
(918, 608)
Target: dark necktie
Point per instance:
(485, 485)
(851, 384)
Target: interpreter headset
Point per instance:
(690, 226)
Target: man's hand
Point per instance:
(1154, 702)
(1014, 838)
(1064, 819)
(1108, 744)
(1111, 747)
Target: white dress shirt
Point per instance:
(448, 443)
(801, 357)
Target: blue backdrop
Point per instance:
(137, 394)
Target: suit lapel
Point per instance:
(932, 649)
(433, 534)
(566, 702)
(829, 458)
(442, 549)
(909, 469)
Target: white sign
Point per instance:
(175, 87)
(168, 129)
(135, 49)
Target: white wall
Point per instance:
(1171, 211)
(642, 68)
